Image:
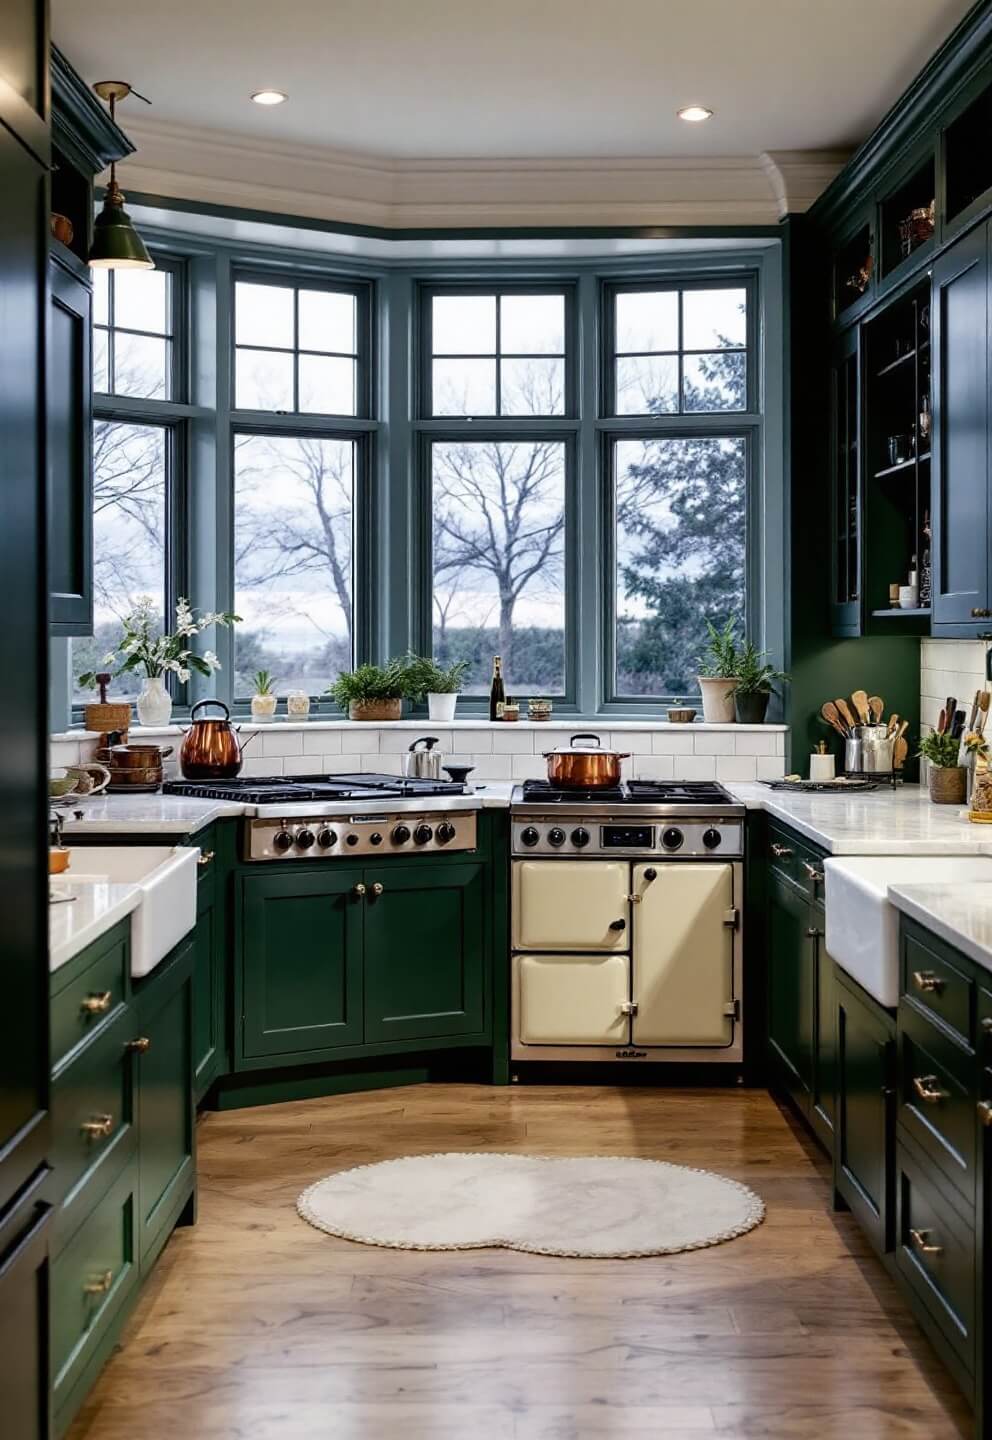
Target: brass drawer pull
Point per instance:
(812, 933)
(97, 1004)
(927, 1088)
(978, 613)
(985, 1113)
(377, 889)
(987, 1024)
(813, 871)
(139, 1045)
(205, 857)
(99, 1128)
(358, 890)
(927, 981)
(781, 852)
(100, 1285)
(922, 1243)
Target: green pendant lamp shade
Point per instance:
(116, 243)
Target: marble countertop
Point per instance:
(95, 907)
(958, 912)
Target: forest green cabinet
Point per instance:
(70, 449)
(864, 1132)
(210, 965)
(24, 1305)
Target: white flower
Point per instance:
(183, 675)
(209, 658)
(109, 658)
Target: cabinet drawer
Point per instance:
(91, 998)
(796, 861)
(936, 1106)
(92, 1118)
(206, 865)
(91, 1279)
(935, 1254)
(937, 986)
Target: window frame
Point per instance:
(177, 371)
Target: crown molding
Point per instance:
(216, 168)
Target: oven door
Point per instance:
(571, 905)
(572, 999)
(683, 955)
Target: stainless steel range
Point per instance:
(626, 923)
(343, 817)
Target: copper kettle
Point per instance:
(211, 749)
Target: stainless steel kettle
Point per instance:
(422, 761)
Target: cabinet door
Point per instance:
(24, 1347)
(424, 951)
(301, 958)
(70, 455)
(961, 419)
(845, 459)
(164, 1080)
(573, 999)
(24, 67)
(822, 1100)
(571, 905)
(683, 955)
(790, 989)
(209, 993)
(864, 1129)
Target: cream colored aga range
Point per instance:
(619, 959)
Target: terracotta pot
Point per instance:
(718, 702)
(375, 709)
(947, 784)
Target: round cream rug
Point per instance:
(595, 1206)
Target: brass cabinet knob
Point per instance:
(987, 1024)
(377, 889)
(98, 1128)
(97, 1004)
(100, 1284)
(139, 1045)
(781, 852)
(358, 890)
(921, 1239)
(205, 857)
(985, 1113)
(927, 1088)
(813, 871)
(927, 981)
(977, 613)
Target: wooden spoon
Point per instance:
(859, 699)
(899, 752)
(830, 713)
(893, 725)
(877, 707)
(845, 713)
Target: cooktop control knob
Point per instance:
(401, 834)
(556, 836)
(580, 837)
(445, 832)
(326, 838)
(711, 838)
(375, 838)
(672, 838)
(304, 838)
(529, 836)
(351, 839)
(422, 834)
(282, 840)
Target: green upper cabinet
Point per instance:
(70, 449)
(424, 951)
(845, 462)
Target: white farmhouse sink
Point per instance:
(166, 877)
(862, 932)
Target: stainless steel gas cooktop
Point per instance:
(278, 790)
(682, 819)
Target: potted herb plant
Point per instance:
(264, 700)
(374, 692)
(141, 647)
(946, 779)
(717, 670)
(754, 682)
(441, 684)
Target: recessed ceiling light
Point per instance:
(269, 97)
(694, 113)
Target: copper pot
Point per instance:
(585, 767)
(134, 767)
(211, 749)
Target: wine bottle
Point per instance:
(497, 693)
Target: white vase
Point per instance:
(154, 703)
(718, 701)
(441, 707)
(263, 707)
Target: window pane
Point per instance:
(714, 319)
(327, 385)
(129, 513)
(263, 380)
(647, 320)
(263, 314)
(101, 296)
(294, 501)
(499, 567)
(327, 321)
(464, 387)
(680, 518)
(647, 385)
(464, 324)
(101, 373)
(532, 325)
(714, 382)
(141, 300)
(141, 364)
(532, 386)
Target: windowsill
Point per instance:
(611, 723)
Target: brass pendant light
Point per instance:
(116, 243)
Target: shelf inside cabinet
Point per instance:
(853, 268)
(900, 364)
(968, 156)
(908, 217)
(903, 466)
(897, 612)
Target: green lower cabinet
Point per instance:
(424, 951)
(25, 1286)
(790, 989)
(864, 1128)
(209, 994)
(824, 1088)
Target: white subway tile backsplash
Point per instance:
(472, 742)
(510, 741)
(736, 767)
(695, 767)
(284, 742)
(321, 742)
(260, 765)
(770, 767)
(528, 767)
(62, 753)
(655, 767)
(718, 744)
(668, 743)
(301, 765)
(752, 742)
(344, 764)
(635, 742)
(493, 767)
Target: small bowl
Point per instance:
(681, 716)
(62, 784)
(458, 773)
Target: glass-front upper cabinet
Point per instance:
(845, 459)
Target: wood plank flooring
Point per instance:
(257, 1327)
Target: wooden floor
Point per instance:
(257, 1327)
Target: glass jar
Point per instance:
(297, 705)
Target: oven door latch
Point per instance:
(732, 1010)
(732, 919)
(628, 1007)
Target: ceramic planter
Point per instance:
(441, 706)
(154, 703)
(751, 709)
(263, 707)
(718, 702)
(375, 709)
(947, 784)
